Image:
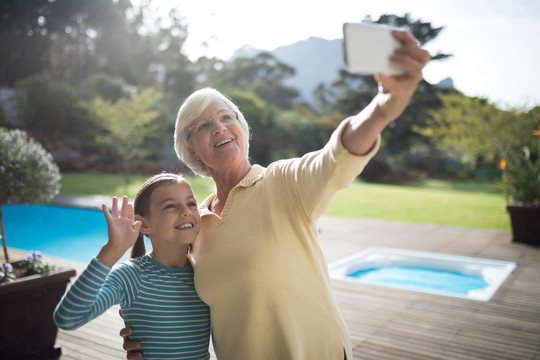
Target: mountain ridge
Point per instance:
(315, 61)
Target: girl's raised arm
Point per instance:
(121, 229)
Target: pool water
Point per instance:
(64, 232)
(422, 278)
(433, 273)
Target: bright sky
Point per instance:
(496, 43)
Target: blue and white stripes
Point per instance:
(159, 303)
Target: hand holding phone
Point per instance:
(368, 47)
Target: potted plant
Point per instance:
(30, 288)
(521, 185)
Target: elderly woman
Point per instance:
(257, 262)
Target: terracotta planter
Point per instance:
(525, 222)
(26, 309)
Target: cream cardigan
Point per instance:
(259, 267)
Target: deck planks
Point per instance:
(392, 324)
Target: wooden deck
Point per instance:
(396, 324)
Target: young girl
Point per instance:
(155, 291)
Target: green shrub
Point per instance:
(521, 177)
(27, 171)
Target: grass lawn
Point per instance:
(114, 185)
(467, 204)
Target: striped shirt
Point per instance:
(158, 302)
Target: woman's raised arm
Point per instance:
(395, 92)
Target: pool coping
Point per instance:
(493, 271)
(85, 202)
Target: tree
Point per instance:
(126, 123)
(3, 121)
(72, 39)
(424, 32)
(352, 92)
(27, 172)
(60, 51)
(277, 133)
(478, 129)
(299, 131)
(53, 36)
(261, 119)
(263, 75)
(48, 109)
(179, 78)
(106, 86)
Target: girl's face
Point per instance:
(174, 216)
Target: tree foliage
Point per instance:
(262, 74)
(28, 173)
(424, 32)
(261, 119)
(521, 178)
(277, 133)
(352, 92)
(54, 36)
(59, 52)
(48, 109)
(106, 86)
(108, 53)
(72, 39)
(126, 123)
(477, 128)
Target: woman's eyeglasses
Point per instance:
(206, 125)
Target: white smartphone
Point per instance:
(367, 48)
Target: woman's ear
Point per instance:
(145, 229)
(192, 152)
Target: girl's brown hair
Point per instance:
(142, 203)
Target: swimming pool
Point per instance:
(434, 273)
(65, 232)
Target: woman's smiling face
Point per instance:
(215, 137)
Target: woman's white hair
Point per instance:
(190, 110)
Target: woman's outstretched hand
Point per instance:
(395, 91)
(121, 229)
